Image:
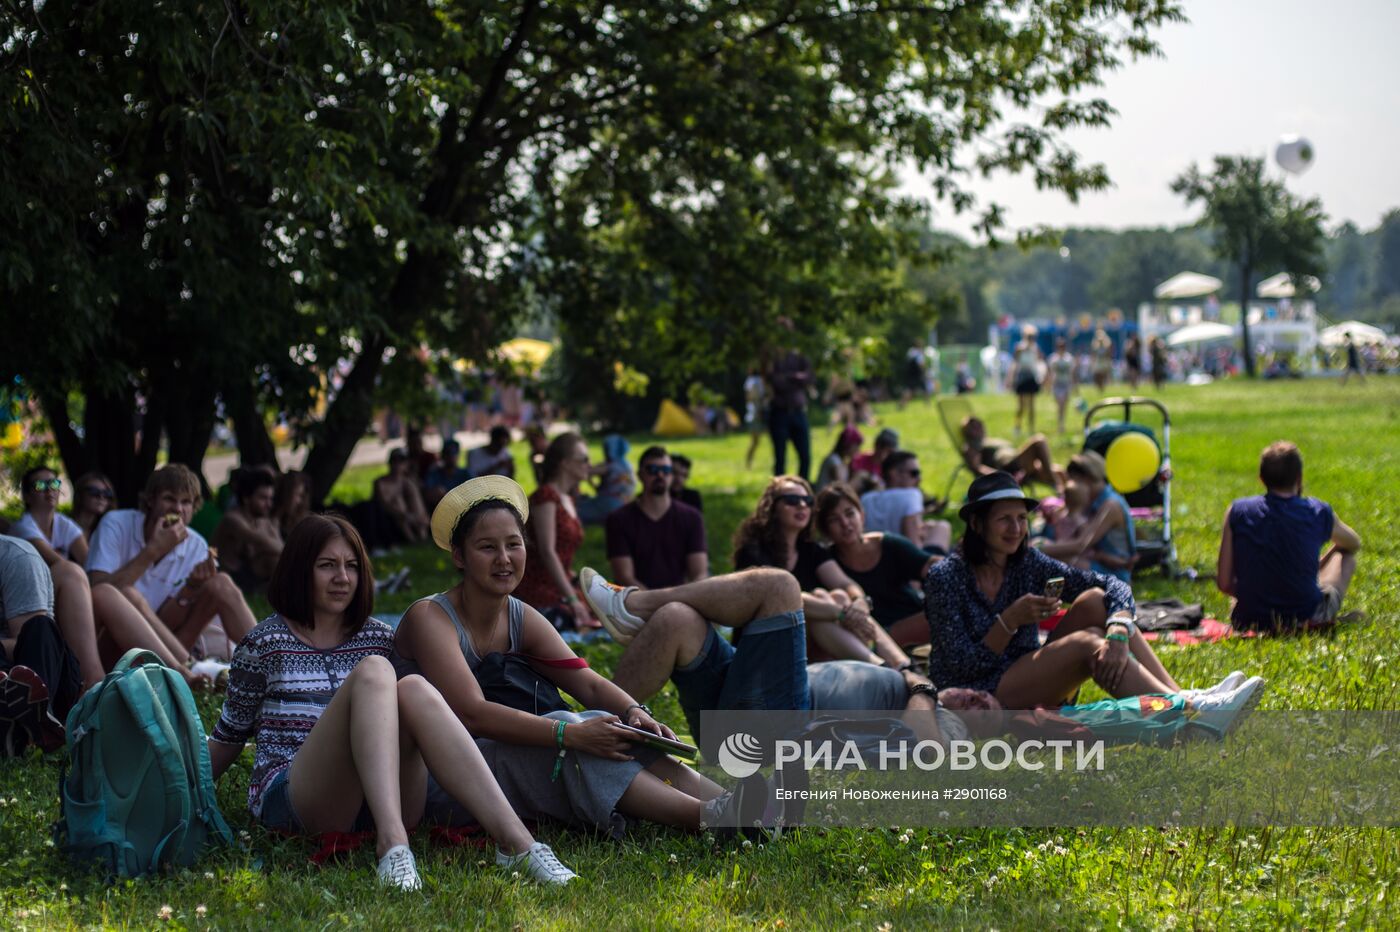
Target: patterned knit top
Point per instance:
(278, 688)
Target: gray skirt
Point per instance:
(584, 796)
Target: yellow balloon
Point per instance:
(1132, 461)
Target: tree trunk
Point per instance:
(189, 421)
(75, 456)
(346, 420)
(109, 421)
(255, 446)
(1246, 273)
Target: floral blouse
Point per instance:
(959, 615)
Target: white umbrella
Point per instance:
(1336, 335)
(1187, 285)
(1281, 286)
(1207, 332)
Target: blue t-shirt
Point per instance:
(1276, 546)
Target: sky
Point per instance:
(1233, 80)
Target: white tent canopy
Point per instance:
(1281, 286)
(1207, 332)
(1335, 335)
(1187, 285)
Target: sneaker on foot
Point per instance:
(1225, 711)
(215, 670)
(24, 713)
(398, 869)
(608, 603)
(1232, 681)
(539, 862)
(740, 808)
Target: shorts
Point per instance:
(1328, 609)
(1003, 458)
(1061, 390)
(1027, 385)
(278, 815)
(768, 670)
(853, 685)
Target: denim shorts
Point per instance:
(768, 670)
(279, 816)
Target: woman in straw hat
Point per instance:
(341, 745)
(576, 768)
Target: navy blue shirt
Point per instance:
(959, 615)
(1276, 544)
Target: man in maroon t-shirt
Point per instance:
(655, 541)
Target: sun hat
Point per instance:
(993, 487)
(467, 496)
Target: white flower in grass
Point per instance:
(748, 843)
(208, 875)
(201, 911)
(674, 860)
(165, 913)
(862, 870)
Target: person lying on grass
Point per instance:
(342, 745)
(575, 768)
(985, 603)
(835, 608)
(671, 634)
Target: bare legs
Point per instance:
(72, 609)
(673, 636)
(1335, 569)
(219, 596)
(375, 734)
(732, 600)
(1034, 459)
(1049, 675)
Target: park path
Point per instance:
(369, 451)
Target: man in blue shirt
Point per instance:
(1269, 551)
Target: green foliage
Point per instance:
(1258, 224)
(1037, 878)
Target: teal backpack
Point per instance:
(140, 792)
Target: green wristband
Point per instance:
(1117, 637)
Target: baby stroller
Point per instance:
(1150, 502)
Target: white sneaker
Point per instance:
(539, 862)
(215, 670)
(1232, 681)
(1225, 711)
(608, 601)
(398, 869)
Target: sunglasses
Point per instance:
(46, 485)
(796, 501)
(98, 492)
(658, 470)
(915, 473)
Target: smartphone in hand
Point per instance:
(1054, 586)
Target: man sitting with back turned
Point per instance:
(654, 540)
(1269, 551)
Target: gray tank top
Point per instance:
(515, 610)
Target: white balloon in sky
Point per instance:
(1294, 154)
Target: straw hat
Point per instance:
(467, 496)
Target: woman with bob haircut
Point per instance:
(837, 609)
(985, 602)
(574, 768)
(341, 744)
(887, 567)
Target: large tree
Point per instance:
(1258, 224)
(266, 204)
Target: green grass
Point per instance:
(1048, 878)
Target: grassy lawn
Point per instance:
(1047, 878)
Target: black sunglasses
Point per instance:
(657, 470)
(46, 485)
(97, 491)
(795, 501)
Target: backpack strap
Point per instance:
(558, 663)
(139, 695)
(137, 656)
(201, 772)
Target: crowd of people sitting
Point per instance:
(456, 715)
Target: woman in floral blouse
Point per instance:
(986, 601)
